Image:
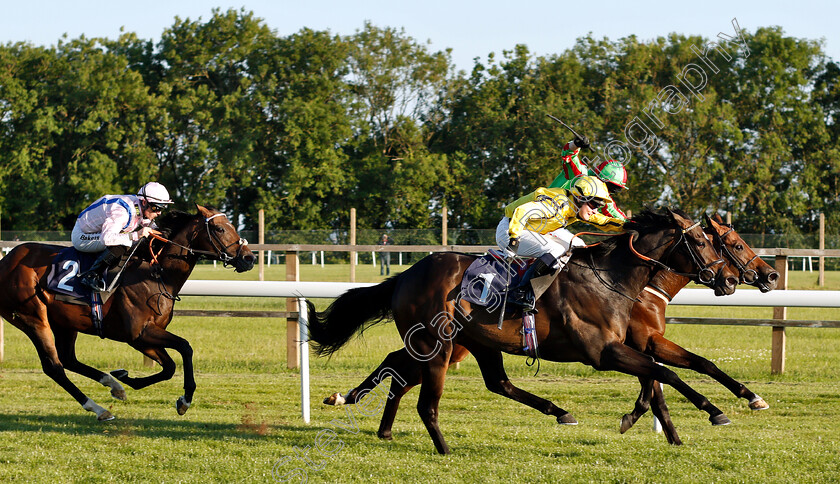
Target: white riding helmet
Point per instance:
(155, 193)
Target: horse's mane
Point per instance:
(646, 221)
(172, 221)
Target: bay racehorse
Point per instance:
(583, 316)
(647, 329)
(645, 333)
(137, 313)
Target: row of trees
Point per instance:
(226, 112)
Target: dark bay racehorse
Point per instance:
(581, 317)
(138, 311)
(645, 333)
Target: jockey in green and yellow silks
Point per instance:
(611, 172)
(535, 226)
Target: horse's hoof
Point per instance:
(626, 423)
(758, 404)
(182, 405)
(720, 419)
(385, 435)
(566, 419)
(105, 416)
(335, 399)
(119, 374)
(119, 394)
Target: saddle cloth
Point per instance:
(63, 279)
(485, 279)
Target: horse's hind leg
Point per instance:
(42, 338)
(433, 376)
(66, 348)
(495, 378)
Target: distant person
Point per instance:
(385, 257)
(112, 224)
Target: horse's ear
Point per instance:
(717, 218)
(707, 220)
(202, 210)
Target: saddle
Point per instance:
(63, 281)
(489, 278)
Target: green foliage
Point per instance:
(305, 126)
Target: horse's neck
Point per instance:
(642, 273)
(177, 263)
(669, 282)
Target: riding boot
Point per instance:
(523, 295)
(94, 277)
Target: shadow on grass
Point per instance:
(81, 425)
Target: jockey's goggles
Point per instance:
(595, 203)
(156, 207)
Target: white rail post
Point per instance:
(303, 322)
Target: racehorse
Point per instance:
(138, 311)
(581, 317)
(645, 333)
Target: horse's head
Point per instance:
(217, 237)
(752, 270)
(685, 249)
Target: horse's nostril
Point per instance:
(731, 281)
(773, 276)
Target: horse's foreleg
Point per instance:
(670, 353)
(641, 407)
(620, 357)
(66, 348)
(496, 380)
(152, 343)
(660, 411)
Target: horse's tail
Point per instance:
(354, 311)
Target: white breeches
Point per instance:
(86, 242)
(533, 244)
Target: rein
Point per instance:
(219, 254)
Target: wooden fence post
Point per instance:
(352, 242)
(261, 239)
(822, 247)
(728, 218)
(292, 325)
(444, 234)
(777, 351)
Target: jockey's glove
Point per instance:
(582, 143)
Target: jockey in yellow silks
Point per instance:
(535, 226)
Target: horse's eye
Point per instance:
(218, 229)
(701, 245)
(739, 247)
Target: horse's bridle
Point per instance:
(748, 276)
(706, 269)
(220, 253)
(219, 246)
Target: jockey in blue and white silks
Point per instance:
(115, 222)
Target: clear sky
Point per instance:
(471, 28)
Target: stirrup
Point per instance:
(93, 281)
(524, 298)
